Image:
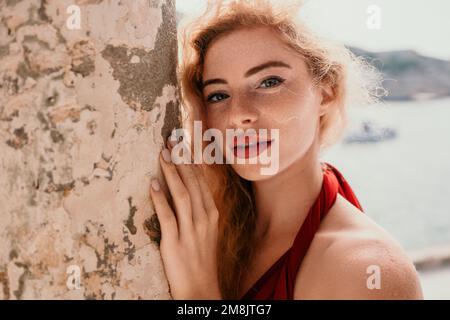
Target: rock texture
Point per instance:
(83, 115)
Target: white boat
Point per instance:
(369, 132)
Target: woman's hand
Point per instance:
(189, 231)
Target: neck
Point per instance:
(284, 200)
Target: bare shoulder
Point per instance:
(351, 257)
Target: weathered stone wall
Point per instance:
(83, 115)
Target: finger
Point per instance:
(208, 199)
(166, 217)
(189, 178)
(180, 195)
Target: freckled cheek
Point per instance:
(215, 119)
(296, 117)
(289, 109)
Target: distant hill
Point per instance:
(409, 75)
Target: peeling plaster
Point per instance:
(143, 74)
(129, 223)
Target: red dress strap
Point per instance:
(277, 283)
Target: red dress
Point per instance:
(277, 283)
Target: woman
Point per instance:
(231, 232)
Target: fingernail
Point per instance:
(166, 155)
(155, 185)
(171, 142)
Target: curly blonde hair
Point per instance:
(352, 80)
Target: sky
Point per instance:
(375, 25)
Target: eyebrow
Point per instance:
(252, 71)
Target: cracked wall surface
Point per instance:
(83, 116)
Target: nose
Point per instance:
(242, 114)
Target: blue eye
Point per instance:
(211, 96)
(272, 82)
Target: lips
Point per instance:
(251, 147)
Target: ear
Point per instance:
(327, 95)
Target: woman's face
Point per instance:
(280, 96)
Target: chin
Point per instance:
(255, 172)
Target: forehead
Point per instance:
(245, 48)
